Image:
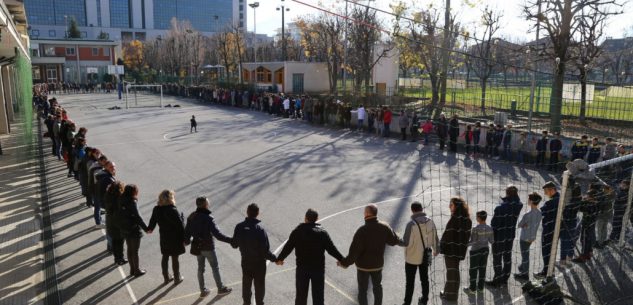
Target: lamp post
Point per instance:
(254, 6)
(283, 9)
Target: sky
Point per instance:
(513, 25)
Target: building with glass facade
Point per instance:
(130, 19)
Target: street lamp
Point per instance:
(254, 6)
(283, 9)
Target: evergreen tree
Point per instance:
(73, 29)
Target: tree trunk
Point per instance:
(556, 98)
(583, 95)
(467, 74)
(483, 95)
(435, 93)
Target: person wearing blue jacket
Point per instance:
(548, 222)
(503, 225)
(252, 240)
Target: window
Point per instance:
(70, 51)
(201, 13)
(263, 75)
(106, 51)
(95, 51)
(51, 33)
(35, 71)
(120, 14)
(49, 51)
(51, 74)
(241, 15)
(241, 8)
(35, 53)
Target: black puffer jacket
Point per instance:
(128, 218)
(455, 239)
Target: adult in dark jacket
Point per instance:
(111, 205)
(442, 130)
(132, 226)
(555, 146)
(453, 245)
(503, 225)
(541, 149)
(453, 133)
(310, 241)
(202, 228)
(252, 240)
(619, 209)
(172, 234)
(367, 251)
(548, 210)
(103, 181)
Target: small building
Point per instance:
(288, 77)
(71, 60)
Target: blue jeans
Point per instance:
(524, 267)
(386, 130)
(58, 148)
(507, 152)
(360, 124)
(426, 138)
(97, 210)
(215, 269)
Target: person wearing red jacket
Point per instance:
(386, 120)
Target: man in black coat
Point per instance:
(252, 240)
(202, 227)
(310, 241)
(503, 225)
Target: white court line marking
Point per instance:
(341, 292)
(127, 283)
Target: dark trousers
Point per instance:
(453, 143)
(477, 270)
(442, 142)
(553, 160)
(540, 157)
(305, 276)
(489, 150)
(502, 260)
(546, 246)
(410, 271)
(175, 265)
(403, 132)
(133, 244)
(524, 268)
(451, 287)
(588, 238)
(363, 285)
(254, 274)
(117, 248)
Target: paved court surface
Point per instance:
(286, 166)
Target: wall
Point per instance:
(315, 77)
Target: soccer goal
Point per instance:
(143, 96)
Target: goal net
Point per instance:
(482, 183)
(143, 96)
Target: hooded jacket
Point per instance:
(414, 251)
(202, 227)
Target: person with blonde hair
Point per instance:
(453, 245)
(172, 234)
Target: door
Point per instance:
(51, 74)
(297, 83)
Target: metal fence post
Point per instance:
(627, 212)
(559, 217)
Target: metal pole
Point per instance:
(626, 219)
(559, 218)
(126, 94)
(345, 50)
(161, 96)
(283, 34)
(534, 67)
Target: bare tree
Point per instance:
(561, 20)
(585, 50)
(364, 36)
(483, 59)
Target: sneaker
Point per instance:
(205, 292)
(178, 279)
(224, 290)
(469, 291)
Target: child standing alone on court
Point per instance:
(529, 224)
(481, 236)
(194, 124)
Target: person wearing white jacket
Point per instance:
(420, 238)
